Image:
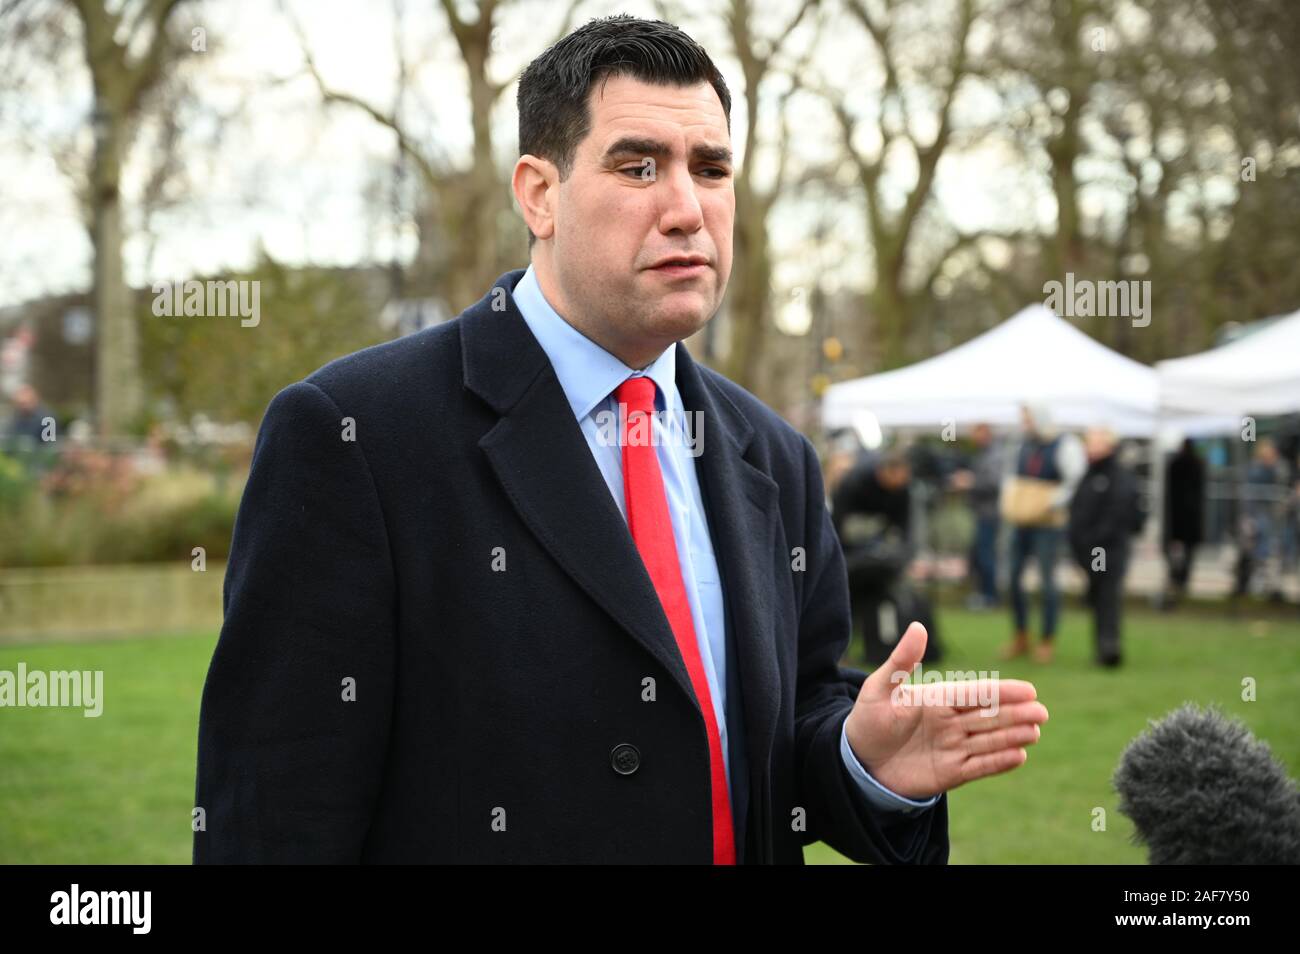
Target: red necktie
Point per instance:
(652, 530)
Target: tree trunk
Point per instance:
(118, 385)
(749, 292)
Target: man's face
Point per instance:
(652, 180)
(894, 476)
(1097, 443)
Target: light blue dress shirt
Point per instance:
(589, 376)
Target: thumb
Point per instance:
(905, 657)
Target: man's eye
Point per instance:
(645, 172)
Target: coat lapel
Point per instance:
(741, 501)
(541, 458)
(546, 469)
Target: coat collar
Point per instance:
(587, 372)
(541, 458)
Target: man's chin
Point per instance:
(678, 322)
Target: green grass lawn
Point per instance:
(119, 788)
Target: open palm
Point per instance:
(920, 740)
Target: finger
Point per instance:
(966, 695)
(980, 721)
(1007, 690)
(905, 657)
(995, 763)
(987, 743)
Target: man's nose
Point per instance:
(679, 207)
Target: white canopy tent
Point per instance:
(1032, 356)
(1257, 374)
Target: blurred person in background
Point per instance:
(1183, 530)
(871, 509)
(1267, 487)
(843, 451)
(27, 419)
(30, 432)
(1104, 514)
(1288, 445)
(871, 512)
(1291, 525)
(983, 484)
(1034, 498)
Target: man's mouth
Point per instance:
(685, 266)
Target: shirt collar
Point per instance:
(586, 371)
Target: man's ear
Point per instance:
(536, 184)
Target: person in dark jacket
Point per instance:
(1260, 535)
(30, 434)
(871, 510)
(1184, 497)
(459, 627)
(1104, 513)
(985, 485)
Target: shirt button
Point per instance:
(624, 758)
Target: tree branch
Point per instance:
(431, 174)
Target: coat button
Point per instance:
(625, 758)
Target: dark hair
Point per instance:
(554, 116)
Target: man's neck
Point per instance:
(636, 358)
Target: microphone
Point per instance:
(1202, 790)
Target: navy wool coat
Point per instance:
(440, 643)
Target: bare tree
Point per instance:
(1183, 116)
(750, 302)
(126, 48)
(465, 203)
(893, 228)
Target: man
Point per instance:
(29, 421)
(873, 501)
(843, 451)
(1104, 513)
(1184, 503)
(1035, 499)
(30, 434)
(1267, 487)
(464, 623)
(871, 513)
(983, 482)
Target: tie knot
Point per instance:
(638, 393)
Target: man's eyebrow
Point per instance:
(638, 146)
